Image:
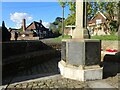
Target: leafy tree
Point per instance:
(89, 10)
(111, 9)
(57, 21)
(113, 26)
(20, 29)
(52, 27)
(59, 29)
(72, 7)
(119, 12)
(56, 26)
(92, 8)
(70, 20)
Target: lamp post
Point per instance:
(63, 6)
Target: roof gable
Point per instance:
(36, 25)
(100, 14)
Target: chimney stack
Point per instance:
(24, 24)
(41, 21)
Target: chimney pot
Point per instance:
(41, 21)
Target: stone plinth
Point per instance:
(79, 73)
(81, 52)
(80, 59)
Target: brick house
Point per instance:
(38, 29)
(99, 24)
(33, 31)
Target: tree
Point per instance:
(111, 9)
(119, 18)
(62, 4)
(56, 26)
(6, 35)
(92, 8)
(70, 20)
(57, 21)
(89, 10)
(52, 27)
(119, 13)
(72, 7)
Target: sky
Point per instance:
(14, 12)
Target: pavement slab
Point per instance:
(46, 76)
(95, 85)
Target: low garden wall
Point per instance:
(27, 53)
(24, 48)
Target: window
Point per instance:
(98, 21)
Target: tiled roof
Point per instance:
(97, 13)
(38, 25)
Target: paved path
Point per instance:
(46, 75)
(45, 68)
(57, 81)
(100, 84)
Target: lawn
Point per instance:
(105, 37)
(102, 37)
(60, 38)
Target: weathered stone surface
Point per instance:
(29, 86)
(92, 52)
(76, 73)
(84, 52)
(67, 84)
(63, 50)
(75, 53)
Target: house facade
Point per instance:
(34, 31)
(99, 24)
(38, 29)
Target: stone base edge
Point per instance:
(78, 73)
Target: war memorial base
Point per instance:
(80, 59)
